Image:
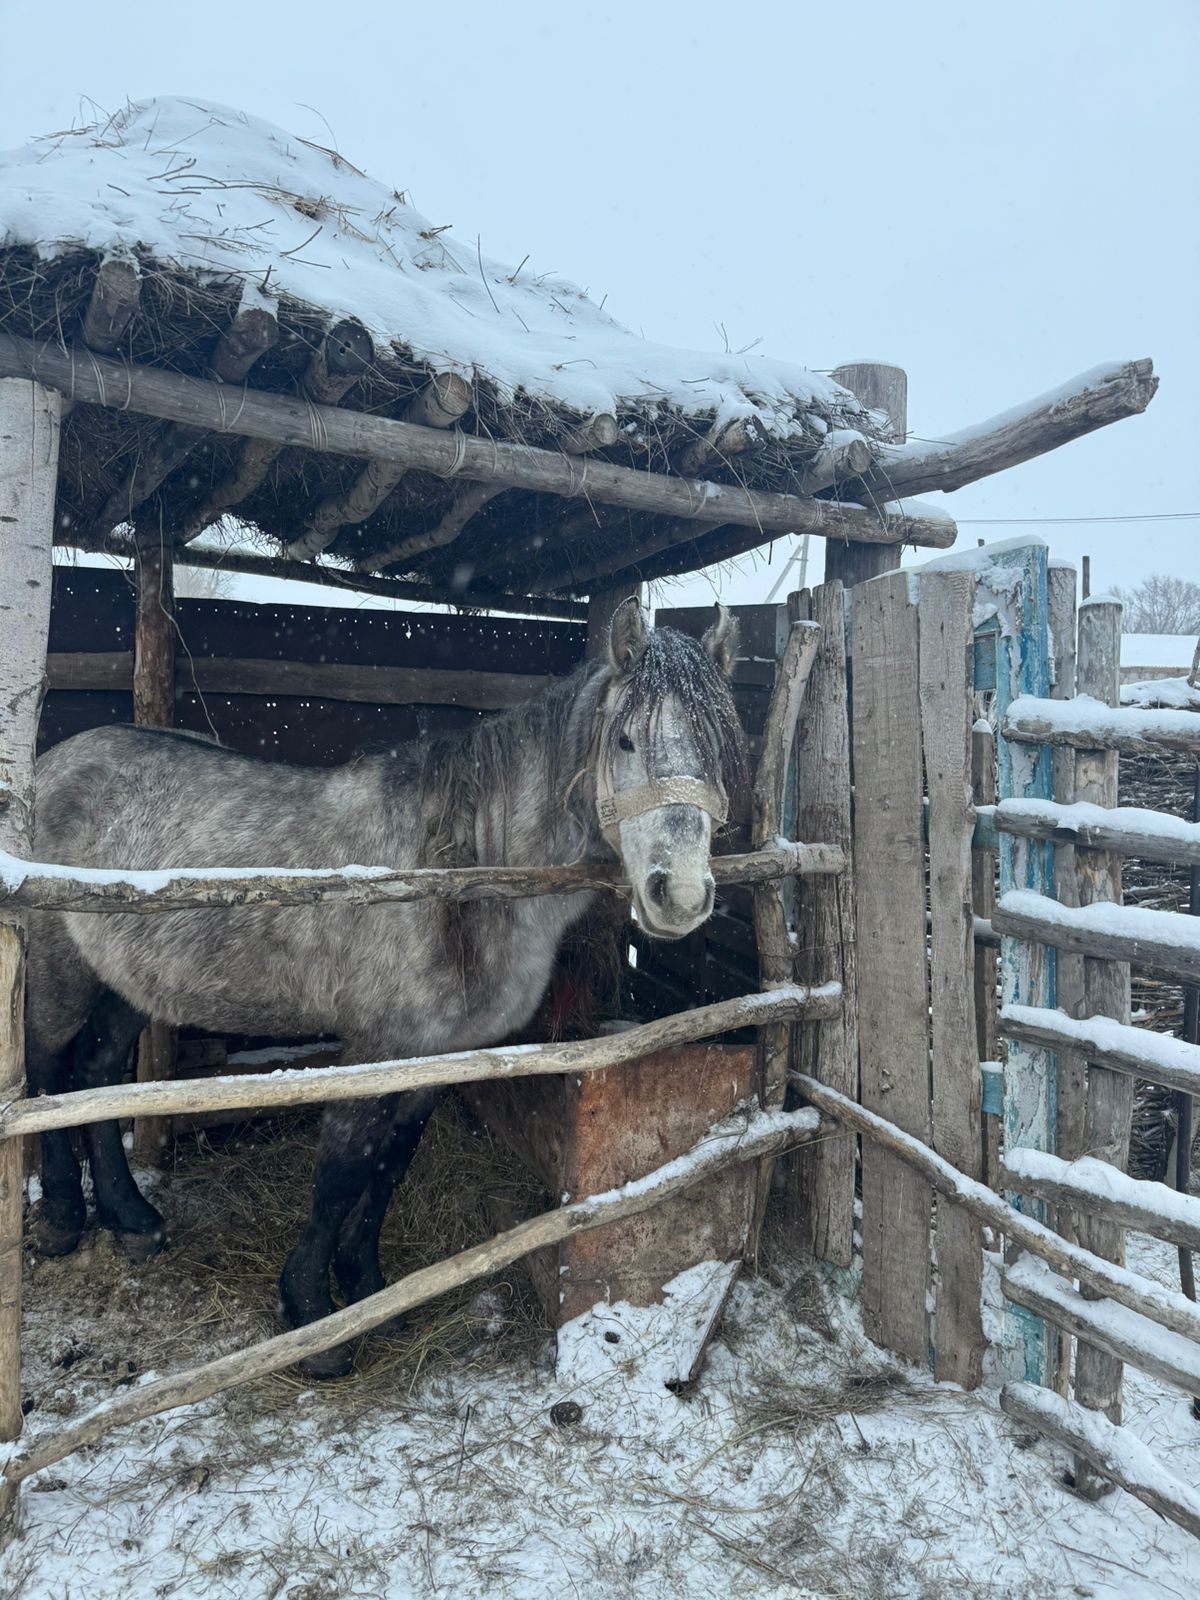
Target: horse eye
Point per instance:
(625, 742)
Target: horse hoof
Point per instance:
(140, 1246)
(51, 1238)
(336, 1362)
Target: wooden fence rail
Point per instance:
(1100, 1189)
(1125, 829)
(1090, 725)
(1165, 940)
(40, 886)
(368, 1080)
(1171, 1063)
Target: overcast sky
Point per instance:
(995, 198)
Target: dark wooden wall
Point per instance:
(93, 613)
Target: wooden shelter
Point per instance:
(203, 318)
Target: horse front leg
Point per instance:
(62, 1214)
(353, 1135)
(356, 1257)
(102, 1049)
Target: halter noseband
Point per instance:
(612, 809)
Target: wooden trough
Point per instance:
(141, 401)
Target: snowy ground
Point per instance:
(802, 1462)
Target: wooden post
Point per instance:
(946, 694)
(820, 1180)
(30, 418)
(1109, 1106)
(154, 707)
(893, 1028)
(983, 899)
(1071, 1069)
(882, 388)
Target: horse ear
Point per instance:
(721, 639)
(627, 635)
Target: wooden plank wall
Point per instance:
(93, 614)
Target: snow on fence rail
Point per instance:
(1165, 940)
(1117, 1330)
(365, 1081)
(1128, 830)
(1171, 1063)
(1112, 1450)
(1098, 1187)
(736, 1140)
(45, 886)
(1089, 724)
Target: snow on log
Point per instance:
(1130, 831)
(1168, 941)
(1171, 1063)
(736, 1140)
(1112, 1450)
(45, 886)
(1118, 1330)
(281, 420)
(1154, 1302)
(1101, 1189)
(1089, 724)
(1093, 400)
(368, 1080)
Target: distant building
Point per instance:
(1145, 656)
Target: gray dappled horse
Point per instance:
(633, 755)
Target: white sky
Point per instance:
(994, 198)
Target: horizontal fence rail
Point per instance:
(1088, 724)
(1118, 1330)
(1112, 1450)
(1103, 1190)
(1168, 941)
(1103, 1278)
(1129, 831)
(368, 1080)
(730, 1142)
(43, 886)
(1171, 1063)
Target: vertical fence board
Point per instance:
(1068, 967)
(983, 898)
(30, 419)
(1016, 580)
(946, 699)
(1109, 1104)
(889, 856)
(820, 1180)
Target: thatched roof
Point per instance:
(219, 211)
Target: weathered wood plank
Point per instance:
(820, 1178)
(882, 388)
(889, 854)
(944, 612)
(983, 900)
(1108, 1108)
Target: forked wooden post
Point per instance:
(154, 707)
(1109, 1104)
(29, 429)
(882, 388)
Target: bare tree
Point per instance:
(1162, 604)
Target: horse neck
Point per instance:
(536, 806)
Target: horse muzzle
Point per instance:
(673, 905)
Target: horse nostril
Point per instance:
(656, 886)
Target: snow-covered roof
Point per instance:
(1158, 650)
(208, 200)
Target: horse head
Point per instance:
(670, 754)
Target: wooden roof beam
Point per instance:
(272, 421)
(1080, 406)
(115, 295)
(251, 333)
(338, 362)
(440, 404)
(594, 434)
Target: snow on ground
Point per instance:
(803, 1461)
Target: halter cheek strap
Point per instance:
(612, 808)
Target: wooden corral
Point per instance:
(360, 458)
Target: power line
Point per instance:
(1149, 516)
